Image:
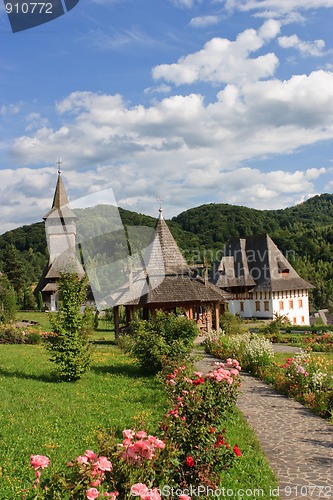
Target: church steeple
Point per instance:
(60, 222)
(60, 205)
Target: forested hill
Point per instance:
(305, 230)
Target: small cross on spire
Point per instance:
(160, 200)
(59, 163)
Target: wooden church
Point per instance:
(60, 227)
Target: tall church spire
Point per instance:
(60, 205)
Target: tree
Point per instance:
(8, 306)
(70, 348)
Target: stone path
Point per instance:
(297, 443)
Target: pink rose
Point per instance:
(141, 434)
(128, 433)
(96, 483)
(112, 495)
(184, 497)
(104, 464)
(39, 461)
(82, 459)
(90, 455)
(151, 495)
(158, 443)
(139, 489)
(92, 493)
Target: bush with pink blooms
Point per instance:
(193, 448)
(195, 423)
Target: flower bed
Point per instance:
(11, 334)
(304, 377)
(192, 448)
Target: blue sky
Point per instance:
(191, 101)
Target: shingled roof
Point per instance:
(167, 278)
(60, 205)
(256, 262)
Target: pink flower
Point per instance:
(82, 459)
(96, 483)
(92, 493)
(128, 434)
(158, 443)
(144, 449)
(91, 456)
(141, 434)
(104, 464)
(139, 489)
(39, 461)
(151, 495)
(184, 497)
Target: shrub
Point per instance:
(253, 351)
(70, 349)
(231, 324)
(10, 334)
(194, 449)
(166, 338)
(195, 423)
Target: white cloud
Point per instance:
(178, 147)
(158, 89)
(315, 48)
(204, 21)
(225, 61)
(184, 3)
(10, 109)
(279, 6)
(113, 40)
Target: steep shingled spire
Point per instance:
(60, 204)
(173, 259)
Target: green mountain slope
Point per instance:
(303, 232)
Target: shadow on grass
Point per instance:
(28, 376)
(103, 342)
(129, 371)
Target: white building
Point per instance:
(261, 281)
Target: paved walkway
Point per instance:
(297, 443)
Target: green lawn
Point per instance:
(61, 420)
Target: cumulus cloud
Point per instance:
(179, 147)
(204, 21)
(225, 61)
(315, 48)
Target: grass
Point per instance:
(62, 420)
(251, 471)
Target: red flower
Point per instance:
(198, 381)
(189, 461)
(237, 451)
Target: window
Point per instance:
(302, 319)
(257, 305)
(291, 304)
(266, 306)
(261, 295)
(294, 321)
(241, 306)
(281, 305)
(300, 303)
